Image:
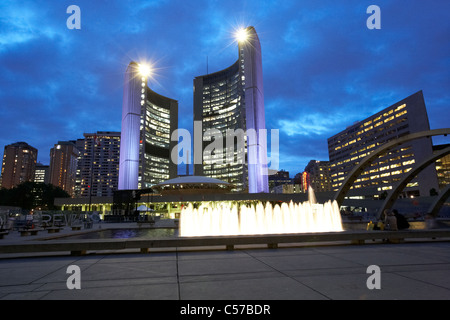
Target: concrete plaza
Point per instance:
(409, 271)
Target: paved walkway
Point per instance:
(408, 271)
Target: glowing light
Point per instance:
(145, 70)
(226, 218)
(241, 35)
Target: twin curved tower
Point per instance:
(148, 120)
(233, 99)
(230, 99)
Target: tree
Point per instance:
(433, 192)
(383, 195)
(31, 195)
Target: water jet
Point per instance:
(231, 219)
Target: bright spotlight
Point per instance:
(241, 35)
(145, 70)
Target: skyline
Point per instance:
(323, 68)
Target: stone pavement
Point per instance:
(312, 272)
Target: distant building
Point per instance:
(279, 178)
(442, 167)
(347, 148)
(319, 175)
(98, 164)
(41, 173)
(303, 181)
(63, 165)
(18, 165)
(298, 178)
(287, 188)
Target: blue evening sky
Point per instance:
(323, 68)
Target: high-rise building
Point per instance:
(231, 100)
(18, 165)
(63, 165)
(347, 148)
(319, 175)
(98, 164)
(442, 167)
(148, 121)
(41, 173)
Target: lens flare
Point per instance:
(145, 70)
(241, 35)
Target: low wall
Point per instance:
(78, 247)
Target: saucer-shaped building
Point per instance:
(192, 185)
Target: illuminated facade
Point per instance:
(63, 165)
(348, 147)
(306, 181)
(279, 178)
(41, 174)
(319, 175)
(98, 164)
(148, 121)
(18, 165)
(233, 99)
(442, 167)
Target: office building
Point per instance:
(18, 165)
(442, 166)
(98, 164)
(279, 178)
(148, 121)
(318, 175)
(232, 100)
(348, 147)
(287, 188)
(63, 166)
(41, 173)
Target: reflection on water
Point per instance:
(126, 234)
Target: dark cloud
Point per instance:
(323, 69)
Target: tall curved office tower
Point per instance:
(148, 120)
(233, 99)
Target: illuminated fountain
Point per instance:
(227, 219)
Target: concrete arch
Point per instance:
(440, 200)
(354, 174)
(393, 195)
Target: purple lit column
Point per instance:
(255, 115)
(130, 135)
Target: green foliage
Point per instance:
(433, 192)
(31, 195)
